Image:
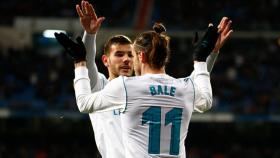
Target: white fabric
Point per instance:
(106, 125)
(135, 98)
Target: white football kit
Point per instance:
(155, 108)
(106, 125)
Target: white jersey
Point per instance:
(107, 130)
(106, 125)
(156, 109)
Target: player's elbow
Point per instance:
(82, 104)
(203, 105)
(208, 99)
(208, 104)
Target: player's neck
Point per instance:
(112, 76)
(149, 70)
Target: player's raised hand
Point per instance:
(224, 28)
(88, 18)
(204, 47)
(76, 50)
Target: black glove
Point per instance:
(204, 47)
(76, 50)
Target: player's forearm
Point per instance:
(90, 102)
(211, 59)
(82, 87)
(89, 41)
(90, 44)
(202, 80)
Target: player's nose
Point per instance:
(127, 59)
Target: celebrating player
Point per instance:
(148, 97)
(118, 59)
(156, 108)
(107, 126)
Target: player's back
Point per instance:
(157, 115)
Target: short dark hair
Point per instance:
(117, 39)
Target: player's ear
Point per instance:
(105, 60)
(142, 57)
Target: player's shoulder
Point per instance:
(185, 79)
(116, 83)
(102, 78)
(156, 78)
(139, 80)
(101, 75)
(123, 80)
(131, 78)
(184, 83)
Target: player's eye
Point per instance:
(130, 54)
(119, 54)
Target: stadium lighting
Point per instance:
(50, 33)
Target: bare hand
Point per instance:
(88, 18)
(224, 28)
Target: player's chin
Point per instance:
(126, 72)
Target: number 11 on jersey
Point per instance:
(152, 116)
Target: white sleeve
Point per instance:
(113, 96)
(96, 79)
(211, 59)
(203, 89)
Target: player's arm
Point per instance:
(224, 28)
(210, 61)
(203, 89)
(111, 97)
(90, 24)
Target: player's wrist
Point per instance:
(80, 64)
(216, 50)
(81, 72)
(200, 66)
(90, 31)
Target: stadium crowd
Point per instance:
(245, 81)
(180, 14)
(245, 77)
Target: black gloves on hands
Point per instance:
(76, 50)
(204, 47)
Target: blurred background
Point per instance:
(38, 114)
